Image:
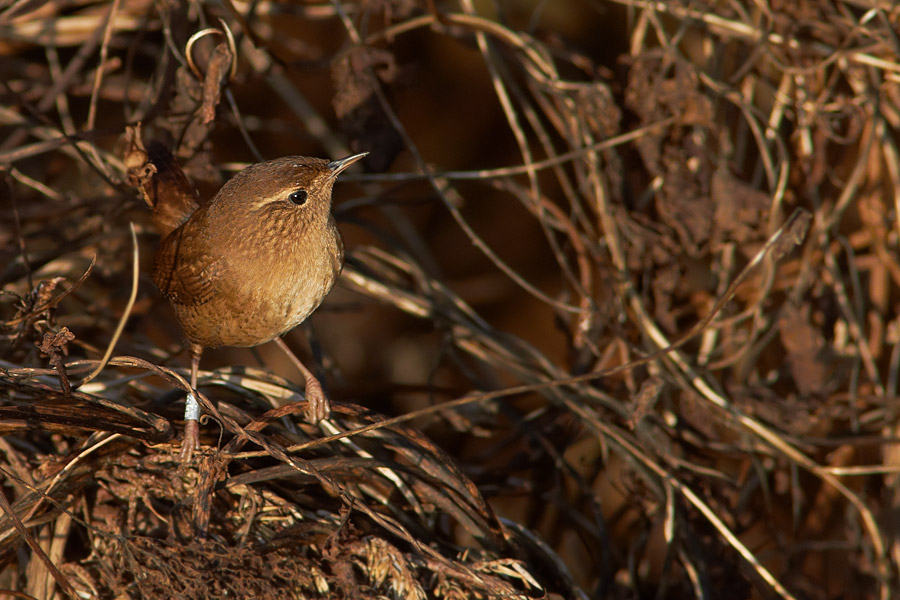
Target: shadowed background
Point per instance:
(553, 188)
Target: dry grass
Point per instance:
(624, 273)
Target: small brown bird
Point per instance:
(250, 264)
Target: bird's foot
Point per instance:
(319, 406)
(191, 441)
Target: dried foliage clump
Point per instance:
(619, 315)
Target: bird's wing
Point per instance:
(185, 274)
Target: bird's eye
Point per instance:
(299, 197)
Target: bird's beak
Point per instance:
(340, 164)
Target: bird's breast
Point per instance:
(290, 282)
(265, 292)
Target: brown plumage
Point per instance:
(166, 190)
(250, 264)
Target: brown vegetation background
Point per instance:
(555, 191)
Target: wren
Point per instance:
(252, 263)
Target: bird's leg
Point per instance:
(192, 410)
(319, 407)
